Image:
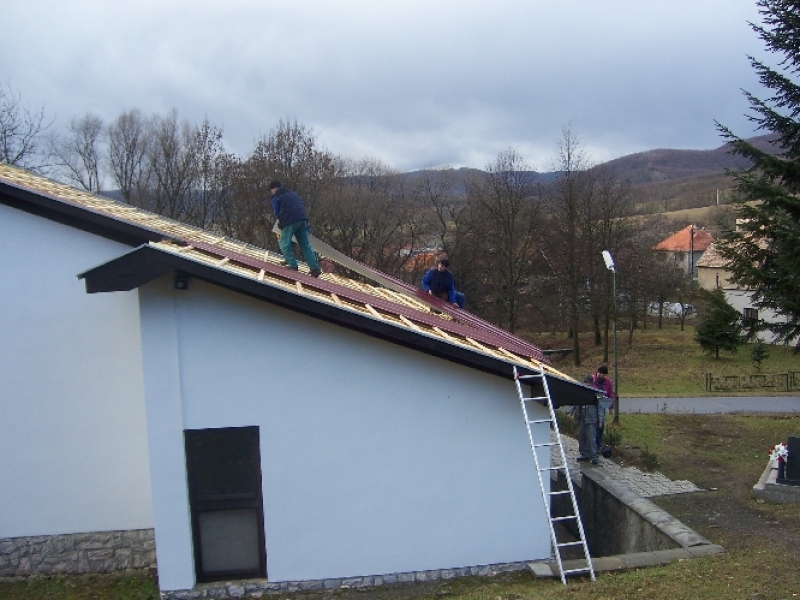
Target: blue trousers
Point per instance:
(298, 230)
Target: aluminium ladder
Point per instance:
(555, 467)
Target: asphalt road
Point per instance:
(712, 405)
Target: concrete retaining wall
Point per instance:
(619, 521)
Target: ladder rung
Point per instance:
(566, 544)
(535, 398)
(540, 421)
(539, 376)
(547, 444)
(567, 518)
(581, 570)
(561, 492)
(553, 468)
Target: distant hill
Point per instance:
(665, 164)
(662, 180)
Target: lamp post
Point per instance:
(609, 260)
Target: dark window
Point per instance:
(751, 314)
(224, 472)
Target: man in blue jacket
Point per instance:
(440, 282)
(292, 221)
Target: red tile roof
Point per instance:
(683, 242)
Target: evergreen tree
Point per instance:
(759, 353)
(721, 328)
(762, 251)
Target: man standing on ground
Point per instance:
(292, 221)
(603, 383)
(440, 282)
(586, 417)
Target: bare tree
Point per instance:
(213, 171)
(570, 197)
(128, 141)
(607, 230)
(505, 225)
(170, 166)
(21, 132)
(246, 213)
(290, 153)
(78, 153)
(369, 216)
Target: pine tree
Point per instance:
(763, 250)
(721, 328)
(759, 353)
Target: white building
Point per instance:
(263, 423)
(713, 273)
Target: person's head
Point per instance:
(602, 372)
(443, 265)
(274, 186)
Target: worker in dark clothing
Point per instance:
(440, 282)
(293, 222)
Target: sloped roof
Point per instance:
(712, 259)
(682, 240)
(403, 314)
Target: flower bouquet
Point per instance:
(779, 452)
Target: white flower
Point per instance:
(779, 451)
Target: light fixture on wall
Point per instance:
(181, 282)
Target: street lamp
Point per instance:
(609, 260)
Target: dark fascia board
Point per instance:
(147, 263)
(79, 217)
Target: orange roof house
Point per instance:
(686, 247)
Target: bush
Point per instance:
(649, 460)
(612, 436)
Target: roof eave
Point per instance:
(146, 263)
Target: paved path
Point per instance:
(711, 405)
(643, 483)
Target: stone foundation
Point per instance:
(77, 553)
(257, 588)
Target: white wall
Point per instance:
(375, 458)
(73, 451)
(741, 299)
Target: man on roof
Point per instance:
(293, 222)
(440, 282)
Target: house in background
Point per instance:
(250, 420)
(713, 273)
(685, 248)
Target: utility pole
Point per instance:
(609, 260)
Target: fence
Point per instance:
(766, 381)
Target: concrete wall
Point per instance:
(375, 458)
(614, 526)
(72, 427)
(618, 521)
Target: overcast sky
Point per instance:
(414, 83)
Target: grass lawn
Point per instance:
(665, 362)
